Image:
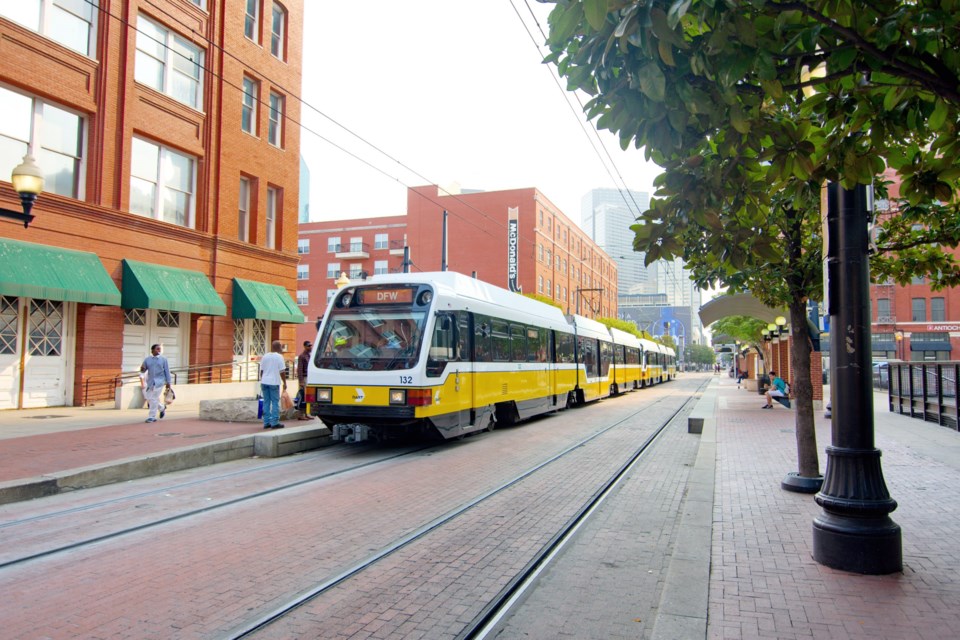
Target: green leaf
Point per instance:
(939, 116)
(677, 10)
(595, 12)
(652, 82)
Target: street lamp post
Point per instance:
(854, 532)
(27, 179)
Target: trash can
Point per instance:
(762, 384)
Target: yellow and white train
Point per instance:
(442, 353)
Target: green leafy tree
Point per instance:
(746, 329)
(700, 354)
(750, 108)
(623, 325)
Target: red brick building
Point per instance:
(913, 322)
(164, 129)
(554, 258)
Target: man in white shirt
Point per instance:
(273, 374)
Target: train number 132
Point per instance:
(406, 379)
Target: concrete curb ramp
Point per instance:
(271, 444)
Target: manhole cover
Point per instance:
(168, 435)
(44, 417)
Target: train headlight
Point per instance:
(324, 394)
(426, 297)
(398, 396)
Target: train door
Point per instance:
(447, 360)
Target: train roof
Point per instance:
(477, 294)
(624, 337)
(588, 327)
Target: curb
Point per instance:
(684, 601)
(265, 445)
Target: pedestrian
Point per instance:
(319, 322)
(157, 379)
(273, 374)
(303, 363)
(778, 389)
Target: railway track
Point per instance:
(486, 622)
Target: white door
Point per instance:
(145, 327)
(45, 362)
(10, 324)
(250, 339)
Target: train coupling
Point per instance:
(351, 432)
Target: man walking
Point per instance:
(157, 373)
(273, 374)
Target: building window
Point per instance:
(273, 213)
(200, 3)
(539, 284)
(333, 244)
(303, 297)
(883, 310)
(540, 253)
(168, 63)
(248, 112)
(356, 244)
(356, 271)
(938, 310)
(53, 136)
(303, 272)
(381, 241)
(333, 270)
(919, 310)
(379, 266)
(278, 31)
(303, 246)
(135, 317)
(243, 211)
(917, 280)
(67, 22)
(330, 294)
(275, 128)
(161, 183)
(251, 20)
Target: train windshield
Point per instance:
(377, 339)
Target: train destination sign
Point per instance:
(385, 296)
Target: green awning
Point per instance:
(264, 301)
(51, 273)
(151, 286)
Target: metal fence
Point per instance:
(925, 390)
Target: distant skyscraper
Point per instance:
(606, 216)
(304, 213)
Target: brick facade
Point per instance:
(555, 258)
(116, 109)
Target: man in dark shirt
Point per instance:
(303, 362)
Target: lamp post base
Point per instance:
(801, 484)
(870, 546)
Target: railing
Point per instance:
(103, 388)
(925, 390)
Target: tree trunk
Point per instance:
(800, 346)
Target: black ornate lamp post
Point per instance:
(27, 179)
(854, 532)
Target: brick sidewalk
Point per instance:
(764, 582)
(47, 453)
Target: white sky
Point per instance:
(452, 91)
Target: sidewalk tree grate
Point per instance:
(168, 435)
(45, 417)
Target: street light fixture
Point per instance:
(781, 323)
(898, 336)
(27, 179)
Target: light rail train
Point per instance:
(445, 354)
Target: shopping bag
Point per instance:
(259, 408)
(285, 401)
(169, 396)
(298, 401)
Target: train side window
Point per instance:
(501, 341)
(443, 346)
(464, 335)
(518, 341)
(481, 339)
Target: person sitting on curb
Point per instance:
(778, 389)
